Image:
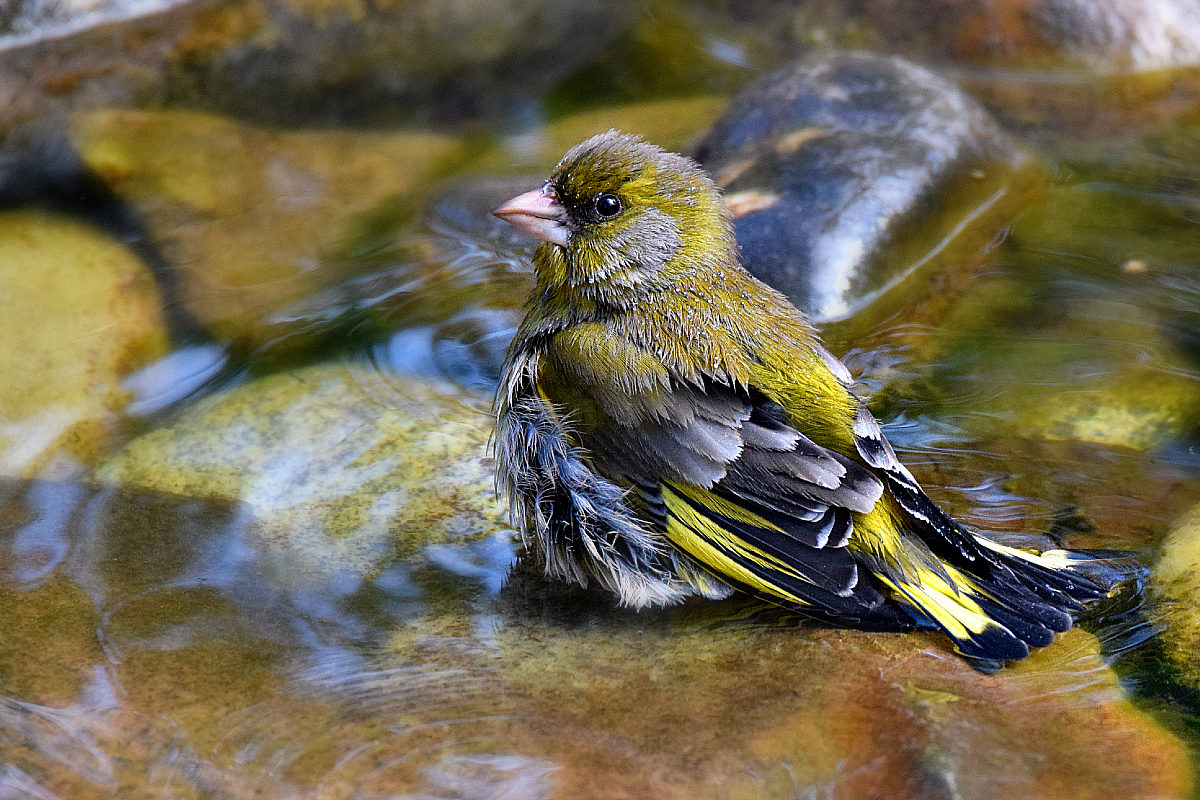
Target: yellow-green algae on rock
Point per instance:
(344, 467)
(1177, 576)
(1065, 363)
(78, 312)
(246, 213)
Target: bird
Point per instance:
(669, 427)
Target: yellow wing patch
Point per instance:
(711, 545)
(723, 507)
(955, 612)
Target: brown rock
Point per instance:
(294, 61)
(247, 214)
(733, 712)
(1177, 577)
(80, 312)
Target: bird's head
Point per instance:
(621, 217)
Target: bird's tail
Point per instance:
(1019, 600)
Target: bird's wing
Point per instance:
(929, 522)
(745, 494)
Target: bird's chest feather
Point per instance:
(600, 377)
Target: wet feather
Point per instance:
(669, 426)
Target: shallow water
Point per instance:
(269, 563)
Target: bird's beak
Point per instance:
(538, 212)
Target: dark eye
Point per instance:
(607, 205)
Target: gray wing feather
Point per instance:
(737, 443)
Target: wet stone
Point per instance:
(1049, 68)
(1177, 579)
(847, 173)
(285, 61)
(50, 647)
(250, 219)
(1107, 36)
(22, 20)
(1074, 341)
(285, 243)
(346, 469)
(207, 683)
(695, 703)
(80, 312)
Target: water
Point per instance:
(248, 544)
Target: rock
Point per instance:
(80, 312)
(1119, 35)
(1049, 68)
(345, 469)
(559, 693)
(680, 708)
(246, 215)
(1069, 341)
(452, 283)
(286, 61)
(96, 580)
(1104, 36)
(40, 167)
(847, 173)
(285, 243)
(177, 664)
(1083, 108)
(1177, 580)
(50, 645)
(24, 20)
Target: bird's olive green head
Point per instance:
(622, 216)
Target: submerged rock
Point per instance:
(847, 173)
(248, 215)
(286, 242)
(687, 707)
(178, 662)
(1083, 333)
(1052, 68)
(80, 312)
(345, 468)
(1177, 579)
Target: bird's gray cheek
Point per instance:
(650, 242)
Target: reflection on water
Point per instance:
(151, 651)
(254, 550)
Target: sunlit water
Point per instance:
(167, 644)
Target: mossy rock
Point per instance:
(345, 469)
(80, 312)
(247, 215)
(1177, 577)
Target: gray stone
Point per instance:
(846, 172)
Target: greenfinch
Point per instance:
(668, 426)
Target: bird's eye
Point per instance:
(607, 205)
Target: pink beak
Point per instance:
(539, 213)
